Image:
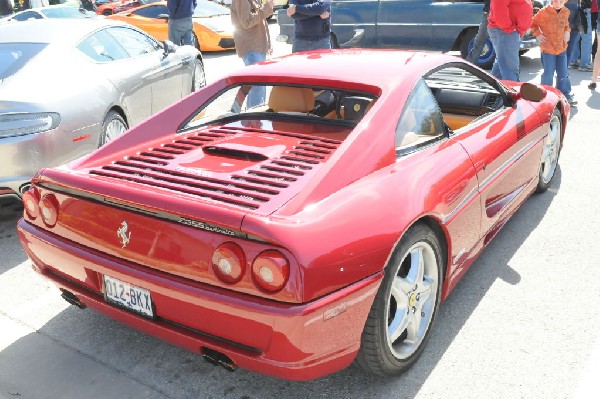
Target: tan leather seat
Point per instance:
(291, 99)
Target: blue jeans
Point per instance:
(306, 45)
(557, 63)
(506, 45)
(257, 94)
(181, 31)
(585, 54)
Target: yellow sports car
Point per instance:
(213, 30)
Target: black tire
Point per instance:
(334, 42)
(421, 303)
(110, 127)
(198, 78)
(550, 153)
(196, 41)
(107, 12)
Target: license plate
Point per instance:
(128, 296)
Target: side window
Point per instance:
(151, 12)
(421, 121)
(134, 42)
(102, 47)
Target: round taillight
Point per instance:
(271, 270)
(31, 200)
(229, 262)
(49, 210)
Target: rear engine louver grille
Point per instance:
(249, 189)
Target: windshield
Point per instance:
(14, 55)
(206, 9)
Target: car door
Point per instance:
(354, 22)
(161, 72)
(502, 141)
(112, 61)
(405, 23)
(450, 18)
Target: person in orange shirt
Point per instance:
(551, 27)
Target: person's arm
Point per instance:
(313, 9)
(524, 20)
(248, 18)
(499, 10)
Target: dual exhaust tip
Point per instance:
(210, 355)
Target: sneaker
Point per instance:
(592, 86)
(574, 65)
(572, 102)
(587, 68)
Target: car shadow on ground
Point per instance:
(159, 368)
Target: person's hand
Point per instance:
(541, 38)
(325, 15)
(291, 10)
(567, 36)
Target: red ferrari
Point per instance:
(301, 214)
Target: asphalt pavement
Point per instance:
(523, 323)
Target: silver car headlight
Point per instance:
(20, 124)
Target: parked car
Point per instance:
(58, 11)
(321, 228)
(108, 8)
(120, 6)
(213, 30)
(409, 24)
(64, 92)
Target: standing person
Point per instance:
(482, 35)
(594, 13)
(312, 24)
(181, 27)
(507, 23)
(551, 27)
(573, 6)
(596, 69)
(252, 40)
(581, 51)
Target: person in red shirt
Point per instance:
(507, 23)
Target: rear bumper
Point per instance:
(290, 341)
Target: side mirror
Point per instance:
(532, 92)
(168, 46)
(163, 16)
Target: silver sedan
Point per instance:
(69, 86)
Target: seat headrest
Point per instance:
(291, 99)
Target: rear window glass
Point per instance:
(14, 55)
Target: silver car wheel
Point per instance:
(113, 126)
(551, 150)
(412, 300)
(114, 129)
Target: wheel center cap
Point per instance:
(412, 300)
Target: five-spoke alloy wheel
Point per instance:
(550, 153)
(405, 306)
